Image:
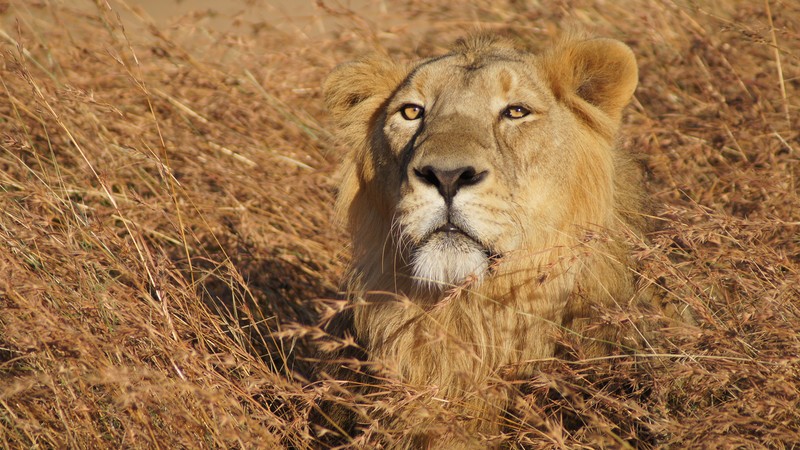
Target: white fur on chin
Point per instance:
(447, 260)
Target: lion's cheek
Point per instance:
(545, 208)
(398, 137)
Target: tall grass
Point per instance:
(168, 247)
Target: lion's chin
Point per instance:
(448, 259)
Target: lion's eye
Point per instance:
(515, 112)
(411, 111)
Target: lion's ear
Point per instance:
(601, 72)
(354, 91)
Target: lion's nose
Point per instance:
(449, 181)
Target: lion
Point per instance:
(489, 207)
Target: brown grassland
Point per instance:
(168, 246)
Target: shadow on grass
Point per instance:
(271, 300)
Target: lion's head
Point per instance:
(487, 152)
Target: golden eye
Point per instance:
(410, 111)
(515, 112)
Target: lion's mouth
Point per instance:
(453, 233)
(450, 227)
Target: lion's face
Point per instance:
(491, 153)
(480, 160)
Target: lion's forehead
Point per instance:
(465, 86)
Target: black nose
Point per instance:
(449, 181)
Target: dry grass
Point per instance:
(166, 229)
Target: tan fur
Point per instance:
(548, 216)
